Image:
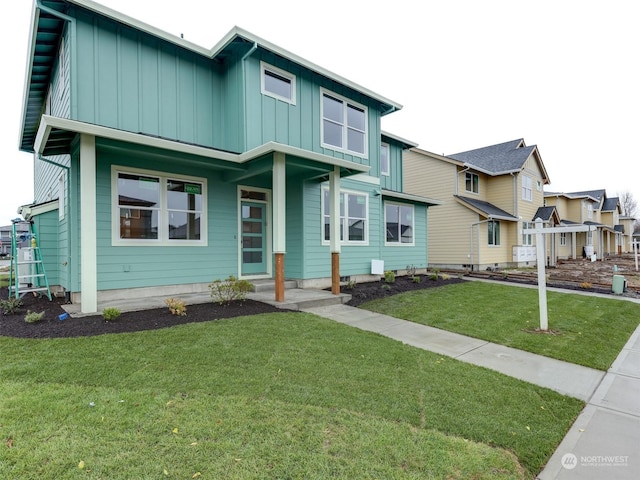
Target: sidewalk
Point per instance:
(602, 442)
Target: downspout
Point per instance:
(489, 219)
(253, 48)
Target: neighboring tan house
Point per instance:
(590, 207)
(489, 196)
(170, 165)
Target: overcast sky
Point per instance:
(562, 74)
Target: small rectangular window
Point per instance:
(472, 182)
(527, 188)
(399, 224)
(493, 230)
(354, 212)
(278, 84)
(384, 159)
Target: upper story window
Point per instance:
(471, 182)
(344, 125)
(589, 210)
(354, 213)
(153, 208)
(278, 84)
(527, 188)
(384, 159)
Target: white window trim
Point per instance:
(491, 245)
(563, 239)
(527, 238)
(345, 233)
(345, 102)
(386, 172)
(527, 188)
(465, 182)
(281, 73)
(163, 234)
(413, 225)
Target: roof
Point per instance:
(610, 204)
(546, 214)
(485, 209)
(508, 157)
(48, 21)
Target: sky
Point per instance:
(561, 74)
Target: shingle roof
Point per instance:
(610, 205)
(497, 159)
(486, 208)
(545, 213)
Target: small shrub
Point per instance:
(111, 313)
(434, 274)
(176, 306)
(505, 275)
(389, 276)
(444, 276)
(416, 279)
(10, 305)
(411, 270)
(33, 317)
(226, 291)
(351, 284)
(586, 285)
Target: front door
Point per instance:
(253, 242)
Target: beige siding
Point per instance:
(501, 190)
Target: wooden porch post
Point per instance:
(279, 217)
(334, 228)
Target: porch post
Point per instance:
(279, 218)
(88, 243)
(574, 238)
(334, 228)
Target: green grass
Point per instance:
(286, 395)
(4, 279)
(588, 331)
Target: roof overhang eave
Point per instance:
(48, 123)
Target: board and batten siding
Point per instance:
(132, 81)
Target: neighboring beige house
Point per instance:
(489, 196)
(612, 234)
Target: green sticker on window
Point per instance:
(192, 188)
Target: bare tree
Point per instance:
(629, 204)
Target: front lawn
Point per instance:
(585, 330)
(287, 395)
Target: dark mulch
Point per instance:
(51, 327)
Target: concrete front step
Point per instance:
(269, 285)
(300, 298)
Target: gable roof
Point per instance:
(610, 204)
(546, 214)
(485, 209)
(47, 26)
(501, 159)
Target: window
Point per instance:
(472, 182)
(563, 239)
(527, 188)
(493, 229)
(353, 217)
(278, 84)
(589, 210)
(158, 209)
(344, 125)
(399, 224)
(527, 238)
(384, 159)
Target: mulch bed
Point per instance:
(51, 327)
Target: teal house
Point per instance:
(161, 165)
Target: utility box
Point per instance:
(619, 284)
(377, 267)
